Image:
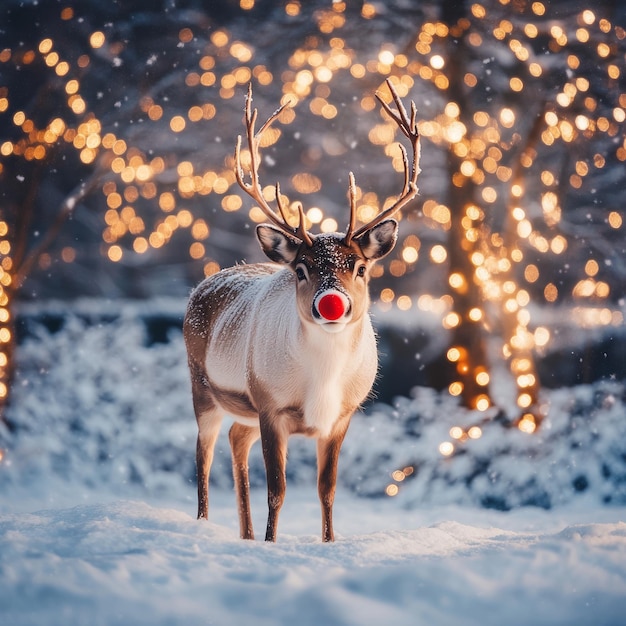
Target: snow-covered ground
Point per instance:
(130, 562)
(97, 511)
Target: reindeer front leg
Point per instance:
(327, 457)
(274, 443)
(241, 439)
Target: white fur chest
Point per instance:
(340, 370)
(260, 347)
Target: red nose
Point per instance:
(331, 307)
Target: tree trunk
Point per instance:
(472, 381)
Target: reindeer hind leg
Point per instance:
(209, 419)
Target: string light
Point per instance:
(482, 143)
(6, 329)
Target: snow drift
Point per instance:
(131, 563)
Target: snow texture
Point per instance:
(96, 521)
(127, 562)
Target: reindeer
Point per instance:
(288, 347)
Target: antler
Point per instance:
(408, 125)
(253, 188)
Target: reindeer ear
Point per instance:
(380, 240)
(277, 246)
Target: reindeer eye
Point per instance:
(301, 275)
(361, 271)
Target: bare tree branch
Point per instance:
(65, 210)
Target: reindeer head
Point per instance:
(331, 270)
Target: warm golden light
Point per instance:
(446, 448)
(475, 432)
(409, 254)
(97, 39)
(507, 117)
(455, 389)
(615, 220)
(456, 432)
(438, 254)
(531, 273)
(457, 281)
(404, 303)
(483, 402)
(386, 57)
(451, 320)
(482, 378)
(437, 62)
(475, 314)
(392, 490)
(551, 292)
(527, 424)
(454, 354)
(503, 172)
(398, 475)
(329, 225)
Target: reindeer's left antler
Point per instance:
(408, 125)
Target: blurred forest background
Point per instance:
(118, 123)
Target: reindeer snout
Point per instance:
(331, 305)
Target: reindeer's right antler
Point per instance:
(408, 125)
(253, 188)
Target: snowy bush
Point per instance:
(102, 405)
(580, 449)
